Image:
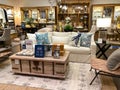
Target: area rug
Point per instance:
(78, 78)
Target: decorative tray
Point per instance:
(26, 53)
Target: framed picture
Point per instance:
(42, 14)
(108, 11)
(34, 14)
(97, 12)
(116, 12)
(48, 50)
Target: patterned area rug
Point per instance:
(78, 78)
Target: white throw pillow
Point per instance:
(32, 37)
(64, 40)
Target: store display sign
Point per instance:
(29, 44)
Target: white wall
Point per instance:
(105, 1)
(7, 2)
(34, 3)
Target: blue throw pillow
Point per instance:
(76, 39)
(42, 38)
(85, 39)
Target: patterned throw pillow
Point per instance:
(76, 39)
(42, 38)
(113, 61)
(85, 39)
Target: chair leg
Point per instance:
(96, 74)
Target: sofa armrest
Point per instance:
(93, 47)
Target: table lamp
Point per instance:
(102, 25)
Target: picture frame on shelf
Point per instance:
(108, 11)
(116, 12)
(48, 50)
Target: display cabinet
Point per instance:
(42, 15)
(79, 13)
(9, 14)
(106, 11)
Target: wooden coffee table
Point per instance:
(47, 66)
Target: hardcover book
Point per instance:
(39, 51)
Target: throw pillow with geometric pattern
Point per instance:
(42, 38)
(85, 39)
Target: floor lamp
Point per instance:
(102, 25)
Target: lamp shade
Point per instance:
(103, 22)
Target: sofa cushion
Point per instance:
(113, 61)
(85, 39)
(78, 50)
(42, 38)
(32, 37)
(61, 34)
(56, 39)
(46, 29)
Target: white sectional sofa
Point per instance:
(77, 54)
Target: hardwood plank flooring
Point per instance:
(107, 83)
(16, 87)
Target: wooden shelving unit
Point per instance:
(78, 11)
(44, 15)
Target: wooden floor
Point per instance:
(107, 83)
(16, 87)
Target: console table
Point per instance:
(47, 66)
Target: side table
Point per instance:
(102, 48)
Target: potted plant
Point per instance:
(68, 26)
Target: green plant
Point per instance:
(29, 21)
(68, 28)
